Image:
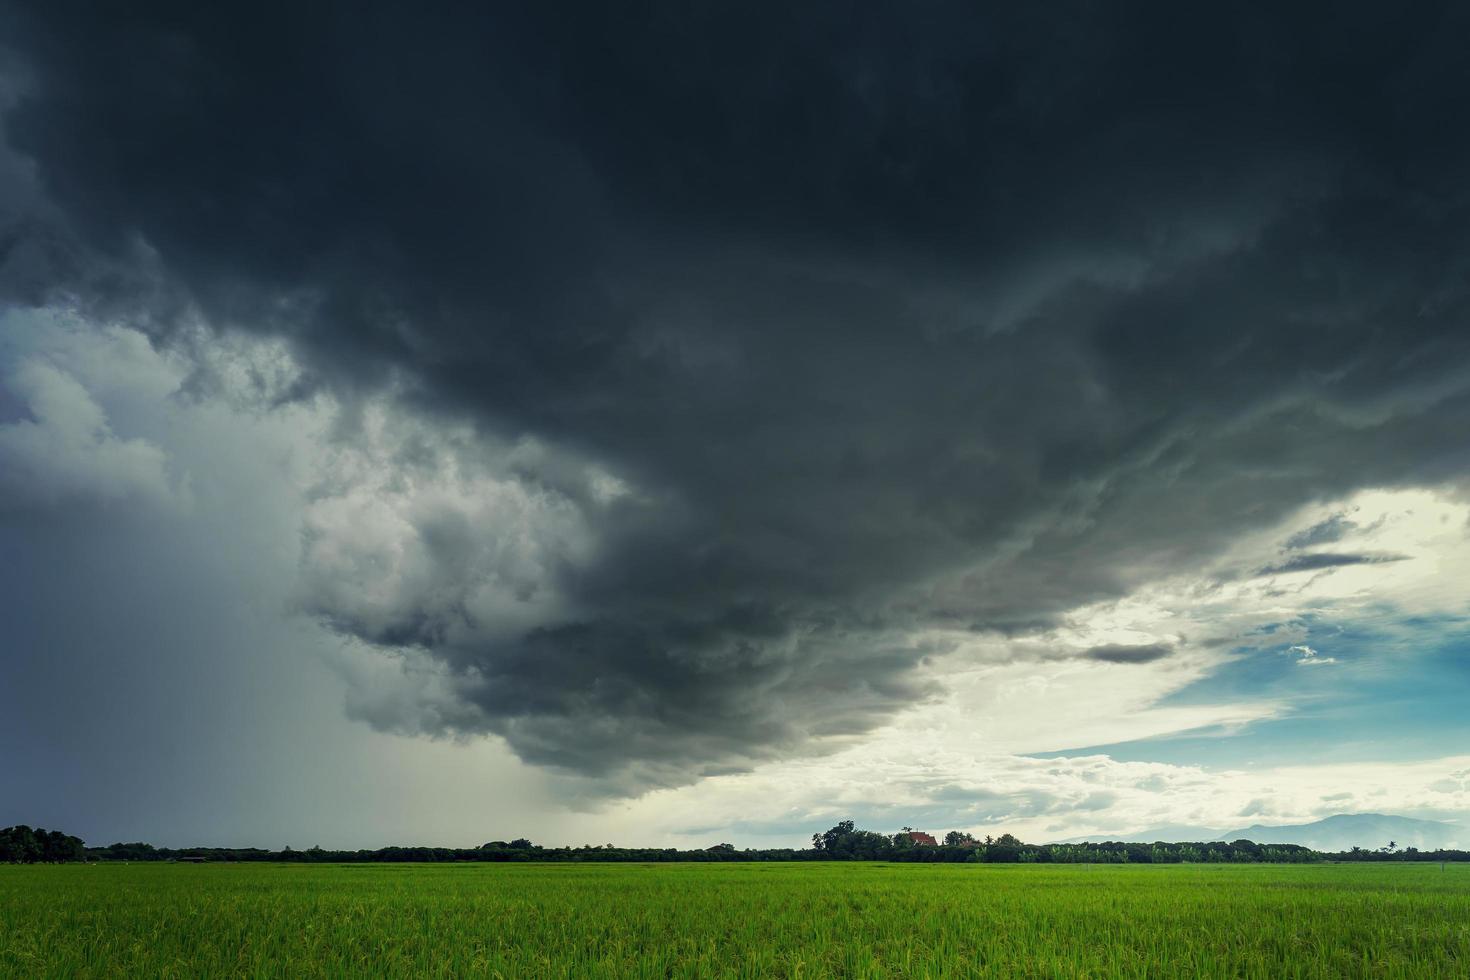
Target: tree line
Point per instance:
(842, 842)
(22, 845)
(1392, 852)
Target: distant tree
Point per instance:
(956, 839)
(22, 845)
(136, 851)
(58, 847)
(845, 842)
(1004, 849)
(839, 831)
(18, 845)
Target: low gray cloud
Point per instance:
(65, 454)
(1326, 531)
(1122, 654)
(1256, 808)
(1317, 561)
(741, 348)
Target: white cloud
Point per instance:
(433, 535)
(67, 453)
(1036, 799)
(1308, 656)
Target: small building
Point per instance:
(920, 838)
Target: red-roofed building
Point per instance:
(920, 838)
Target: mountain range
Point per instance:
(1340, 832)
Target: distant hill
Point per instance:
(1367, 830)
(1171, 833)
(1341, 832)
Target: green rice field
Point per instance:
(736, 920)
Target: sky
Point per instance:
(684, 423)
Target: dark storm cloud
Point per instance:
(893, 317)
(1114, 653)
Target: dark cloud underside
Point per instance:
(1123, 654)
(1319, 560)
(1333, 528)
(892, 318)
